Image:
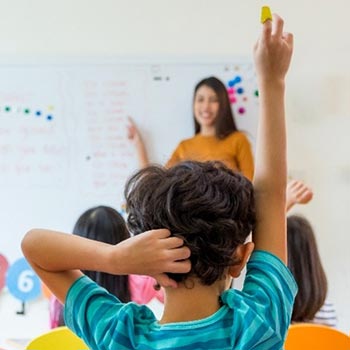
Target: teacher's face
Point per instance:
(206, 106)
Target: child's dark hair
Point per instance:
(225, 122)
(106, 225)
(305, 264)
(208, 205)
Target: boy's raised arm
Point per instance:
(272, 55)
(57, 257)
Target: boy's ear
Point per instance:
(241, 254)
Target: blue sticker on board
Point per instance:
(240, 90)
(22, 282)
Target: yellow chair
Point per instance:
(306, 336)
(60, 338)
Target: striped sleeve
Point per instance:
(326, 315)
(100, 318)
(272, 289)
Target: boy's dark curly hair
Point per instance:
(208, 205)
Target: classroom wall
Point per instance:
(318, 101)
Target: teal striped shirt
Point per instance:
(255, 318)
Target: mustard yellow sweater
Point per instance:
(234, 150)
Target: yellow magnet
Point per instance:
(265, 14)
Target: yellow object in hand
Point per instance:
(265, 14)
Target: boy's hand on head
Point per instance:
(273, 51)
(298, 193)
(153, 253)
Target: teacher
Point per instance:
(216, 134)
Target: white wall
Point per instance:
(318, 98)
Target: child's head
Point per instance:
(208, 205)
(106, 225)
(212, 91)
(305, 264)
(102, 224)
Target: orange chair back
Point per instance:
(306, 336)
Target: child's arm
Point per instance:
(272, 55)
(135, 136)
(57, 257)
(297, 193)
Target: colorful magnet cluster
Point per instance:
(237, 93)
(7, 109)
(20, 279)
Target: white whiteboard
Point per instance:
(63, 145)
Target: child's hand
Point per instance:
(273, 51)
(153, 253)
(297, 193)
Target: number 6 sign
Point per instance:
(22, 282)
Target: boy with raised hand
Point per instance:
(210, 209)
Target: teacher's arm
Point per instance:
(135, 137)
